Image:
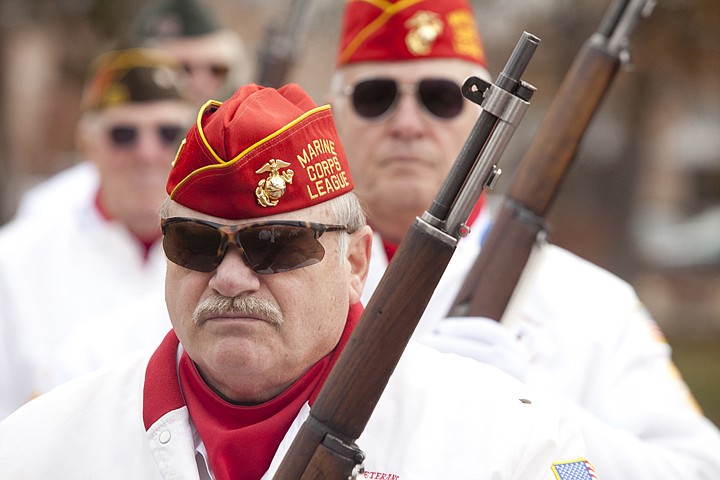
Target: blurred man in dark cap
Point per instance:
(212, 56)
(577, 331)
(212, 62)
(268, 252)
(73, 263)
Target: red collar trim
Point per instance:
(391, 247)
(162, 393)
(105, 215)
(241, 441)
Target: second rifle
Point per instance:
(492, 280)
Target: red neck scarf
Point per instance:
(391, 247)
(241, 441)
(105, 215)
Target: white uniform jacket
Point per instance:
(586, 338)
(56, 272)
(441, 417)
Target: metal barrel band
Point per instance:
(529, 218)
(333, 441)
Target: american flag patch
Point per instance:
(575, 470)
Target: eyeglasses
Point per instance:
(373, 98)
(126, 136)
(217, 70)
(267, 247)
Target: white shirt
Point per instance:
(441, 416)
(580, 334)
(58, 272)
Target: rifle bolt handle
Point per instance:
(493, 177)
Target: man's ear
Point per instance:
(85, 143)
(359, 249)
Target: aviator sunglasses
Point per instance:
(375, 97)
(266, 247)
(126, 136)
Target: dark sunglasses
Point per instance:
(267, 247)
(373, 98)
(217, 70)
(127, 135)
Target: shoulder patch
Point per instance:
(580, 469)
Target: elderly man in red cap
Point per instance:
(67, 267)
(268, 253)
(579, 332)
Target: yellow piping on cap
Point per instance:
(208, 104)
(221, 163)
(388, 10)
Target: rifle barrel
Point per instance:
(325, 445)
(491, 282)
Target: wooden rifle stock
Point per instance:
(280, 47)
(325, 445)
(491, 282)
(348, 399)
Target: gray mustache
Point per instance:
(243, 306)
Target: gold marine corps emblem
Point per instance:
(424, 29)
(270, 189)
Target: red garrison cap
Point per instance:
(261, 152)
(391, 30)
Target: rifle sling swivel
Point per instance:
(527, 217)
(333, 441)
